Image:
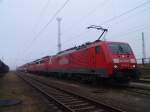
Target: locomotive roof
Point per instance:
(78, 47)
(87, 44)
(84, 46)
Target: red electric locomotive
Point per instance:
(95, 60)
(99, 59)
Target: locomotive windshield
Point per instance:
(119, 48)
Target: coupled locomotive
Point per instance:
(95, 60)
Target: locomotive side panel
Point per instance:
(75, 62)
(101, 64)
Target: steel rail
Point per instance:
(140, 89)
(71, 101)
(50, 98)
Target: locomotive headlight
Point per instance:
(132, 61)
(115, 66)
(133, 66)
(116, 60)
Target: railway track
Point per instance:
(64, 101)
(144, 81)
(139, 91)
(139, 88)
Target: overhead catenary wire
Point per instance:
(120, 15)
(125, 13)
(131, 31)
(37, 22)
(107, 21)
(100, 4)
(142, 27)
(46, 25)
(135, 30)
(41, 13)
(116, 17)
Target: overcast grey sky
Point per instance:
(22, 20)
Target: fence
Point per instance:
(143, 61)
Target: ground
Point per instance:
(116, 97)
(12, 87)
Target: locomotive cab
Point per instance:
(124, 65)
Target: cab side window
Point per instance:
(97, 49)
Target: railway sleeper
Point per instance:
(73, 102)
(79, 105)
(68, 100)
(76, 103)
(64, 95)
(85, 109)
(93, 110)
(64, 98)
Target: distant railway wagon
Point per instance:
(3, 68)
(95, 60)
